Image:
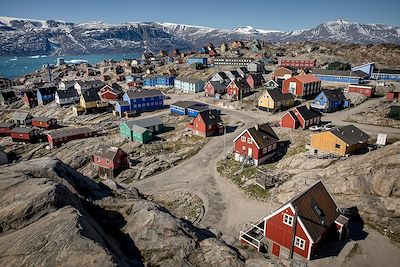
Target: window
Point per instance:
(107, 162)
(249, 141)
(243, 139)
(98, 159)
(300, 243)
(287, 219)
(265, 150)
(337, 146)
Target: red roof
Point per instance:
(308, 78)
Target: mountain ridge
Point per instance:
(20, 36)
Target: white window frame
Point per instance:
(249, 141)
(243, 139)
(288, 219)
(299, 243)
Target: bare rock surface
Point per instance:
(51, 215)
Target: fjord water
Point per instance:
(12, 67)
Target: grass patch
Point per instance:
(231, 169)
(294, 150)
(356, 250)
(394, 237)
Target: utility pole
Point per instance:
(224, 141)
(293, 233)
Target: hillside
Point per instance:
(33, 37)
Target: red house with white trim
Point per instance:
(302, 85)
(300, 117)
(257, 144)
(111, 93)
(366, 90)
(109, 160)
(300, 226)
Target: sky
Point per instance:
(262, 14)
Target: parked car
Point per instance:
(315, 128)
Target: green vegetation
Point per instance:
(354, 251)
(231, 169)
(394, 237)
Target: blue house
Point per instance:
(340, 76)
(46, 95)
(143, 100)
(122, 106)
(190, 108)
(201, 60)
(162, 81)
(165, 80)
(330, 101)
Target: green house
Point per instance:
(394, 112)
(142, 130)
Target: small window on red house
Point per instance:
(287, 219)
(249, 141)
(299, 242)
(107, 162)
(243, 139)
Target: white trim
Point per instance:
(299, 241)
(246, 130)
(290, 219)
(278, 211)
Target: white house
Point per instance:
(66, 97)
(189, 85)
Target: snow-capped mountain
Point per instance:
(33, 37)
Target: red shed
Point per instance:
(366, 90)
(299, 226)
(302, 85)
(61, 136)
(237, 89)
(44, 122)
(256, 144)
(5, 128)
(25, 134)
(393, 96)
(207, 123)
(300, 117)
(109, 160)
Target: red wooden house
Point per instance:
(111, 93)
(366, 90)
(109, 160)
(300, 117)
(58, 137)
(300, 226)
(5, 128)
(254, 80)
(237, 89)
(390, 96)
(44, 122)
(30, 98)
(25, 134)
(256, 144)
(302, 85)
(207, 123)
(211, 88)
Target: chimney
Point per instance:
(256, 126)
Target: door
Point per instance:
(276, 250)
(292, 88)
(250, 152)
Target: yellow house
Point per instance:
(340, 141)
(91, 100)
(273, 99)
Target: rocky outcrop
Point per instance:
(51, 215)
